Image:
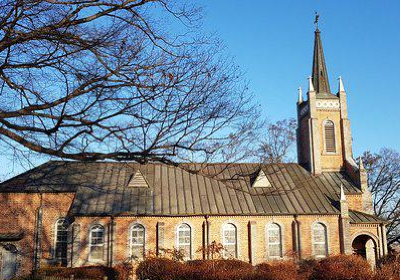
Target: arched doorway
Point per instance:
(365, 246)
(9, 262)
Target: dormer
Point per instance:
(137, 180)
(261, 181)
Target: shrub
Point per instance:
(166, 269)
(342, 268)
(124, 270)
(280, 270)
(388, 268)
(159, 269)
(91, 272)
(306, 269)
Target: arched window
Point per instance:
(319, 240)
(229, 239)
(184, 240)
(137, 241)
(96, 242)
(61, 241)
(330, 143)
(274, 241)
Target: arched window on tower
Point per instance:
(319, 240)
(330, 143)
(61, 242)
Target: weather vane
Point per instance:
(316, 20)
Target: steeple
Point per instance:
(324, 142)
(319, 72)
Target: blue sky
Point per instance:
(272, 41)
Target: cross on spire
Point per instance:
(316, 20)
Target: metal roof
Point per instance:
(102, 188)
(357, 217)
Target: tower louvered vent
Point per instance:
(138, 181)
(330, 145)
(261, 181)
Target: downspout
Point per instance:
(38, 229)
(72, 245)
(111, 240)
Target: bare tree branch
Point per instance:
(112, 79)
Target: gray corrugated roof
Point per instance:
(357, 217)
(102, 188)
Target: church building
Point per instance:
(103, 213)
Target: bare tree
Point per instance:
(120, 80)
(384, 181)
(277, 144)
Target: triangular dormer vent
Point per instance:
(138, 181)
(261, 181)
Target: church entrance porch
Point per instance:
(365, 246)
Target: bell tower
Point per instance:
(324, 141)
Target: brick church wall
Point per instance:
(18, 214)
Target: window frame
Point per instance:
(137, 245)
(92, 229)
(326, 241)
(280, 243)
(56, 234)
(224, 252)
(190, 244)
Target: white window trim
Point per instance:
(327, 249)
(130, 239)
(335, 137)
(282, 250)
(177, 244)
(55, 237)
(236, 239)
(90, 241)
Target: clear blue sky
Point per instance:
(272, 41)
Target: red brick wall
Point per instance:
(18, 213)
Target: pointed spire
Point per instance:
(300, 95)
(319, 72)
(341, 86)
(342, 195)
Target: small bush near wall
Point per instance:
(388, 268)
(280, 270)
(332, 268)
(166, 269)
(84, 272)
(342, 268)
